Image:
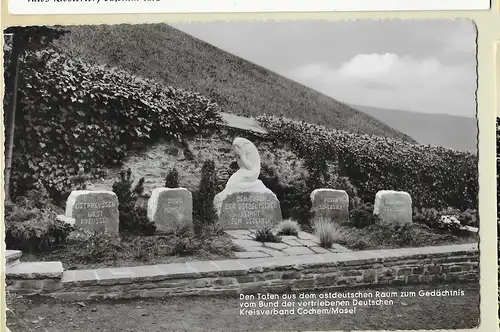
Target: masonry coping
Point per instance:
(12, 255)
(235, 267)
(35, 270)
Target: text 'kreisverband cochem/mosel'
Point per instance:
(328, 303)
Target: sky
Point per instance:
(415, 65)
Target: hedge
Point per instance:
(435, 177)
(77, 117)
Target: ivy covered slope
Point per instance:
(74, 116)
(435, 177)
(240, 87)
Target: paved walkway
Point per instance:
(303, 244)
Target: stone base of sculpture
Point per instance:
(254, 187)
(253, 208)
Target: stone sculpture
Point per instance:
(248, 160)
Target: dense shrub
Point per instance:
(449, 219)
(362, 215)
(404, 236)
(265, 234)
(188, 154)
(288, 227)
(31, 224)
(133, 218)
(468, 217)
(103, 249)
(343, 183)
(203, 207)
(433, 176)
(76, 182)
(76, 116)
(294, 195)
(100, 247)
(185, 244)
(172, 179)
(35, 199)
(292, 182)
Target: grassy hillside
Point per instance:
(444, 130)
(161, 52)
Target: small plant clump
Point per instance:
(266, 234)
(172, 179)
(326, 232)
(289, 227)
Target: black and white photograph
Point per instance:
(295, 175)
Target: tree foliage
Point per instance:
(172, 179)
(18, 41)
(133, 218)
(204, 210)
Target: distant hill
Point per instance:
(445, 130)
(161, 52)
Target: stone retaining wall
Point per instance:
(455, 263)
(34, 278)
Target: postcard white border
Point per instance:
(49, 7)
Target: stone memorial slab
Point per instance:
(250, 210)
(393, 207)
(330, 205)
(94, 211)
(171, 209)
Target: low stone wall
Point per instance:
(34, 278)
(455, 263)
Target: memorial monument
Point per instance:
(171, 209)
(330, 205)
(393, 207)
(245, 202)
